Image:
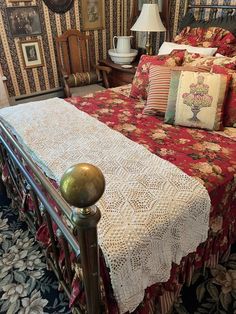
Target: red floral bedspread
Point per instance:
(207, 156)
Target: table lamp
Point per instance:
(149, 21)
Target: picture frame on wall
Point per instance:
(59, 6)
(92, 14)
(31, 51)
(24, 21)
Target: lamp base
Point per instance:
(148, 45)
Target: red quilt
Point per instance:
(208, 156)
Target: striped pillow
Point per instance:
(159, 85)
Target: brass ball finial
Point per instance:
(82, 185)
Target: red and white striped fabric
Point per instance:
(159, 85)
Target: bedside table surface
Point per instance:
(116, 66)
(119, 76)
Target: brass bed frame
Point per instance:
(81, 187)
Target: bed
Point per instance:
(69, 236)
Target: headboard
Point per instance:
(214, 10)
(199, 15)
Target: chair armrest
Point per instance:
(64, 74)
(105, 71)
(103, 68)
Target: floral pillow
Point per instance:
(230, 101)
(141, 78)
(208, 37)
(227, 62)
(200, 100)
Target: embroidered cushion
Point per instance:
(141, 78)
(174, 83)
(81, 79)
(200, 100)
(230, 100)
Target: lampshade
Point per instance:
(149, 20)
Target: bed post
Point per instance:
(82, 186)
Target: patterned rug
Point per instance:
(212, 291)
(27, 287)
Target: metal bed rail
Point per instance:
(81, 186)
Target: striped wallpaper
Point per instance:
(22, 81)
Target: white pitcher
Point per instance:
(123, 44)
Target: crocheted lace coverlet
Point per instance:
(153, 214)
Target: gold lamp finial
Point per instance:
(82, 185)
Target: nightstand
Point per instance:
(119, 76)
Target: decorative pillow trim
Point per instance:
(172, 97)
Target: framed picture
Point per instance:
(31, 53)
(59, 6)
(24, 21)
(92, 14)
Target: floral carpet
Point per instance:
(26, 286)
(212, 291)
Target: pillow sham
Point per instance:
(167, 47)
(218, 37)
(227, 62)
(200, 100)
(229, 118)
(140, 80)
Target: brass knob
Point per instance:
(82, 185)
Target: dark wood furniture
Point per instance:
(74, 56)
(118, 75)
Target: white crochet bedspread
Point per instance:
(153, 214)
